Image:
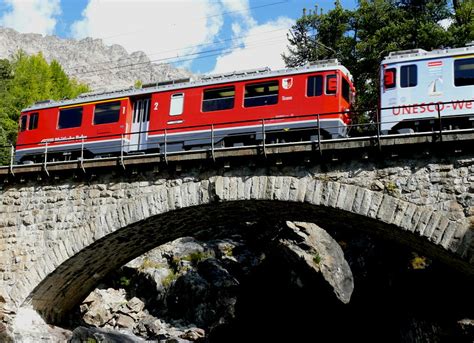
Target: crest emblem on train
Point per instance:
(287, 83)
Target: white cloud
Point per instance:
(162, 29)
(27, 16)
(261, 47)
(240, 9)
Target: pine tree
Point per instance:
(361, 38)
(462, 23)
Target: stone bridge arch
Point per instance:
(109, 221)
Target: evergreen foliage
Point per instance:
(23, 81)
(362, 37)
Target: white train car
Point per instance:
(427, 82)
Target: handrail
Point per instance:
(215, 130)
(256, 122)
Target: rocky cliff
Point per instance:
(90, 60)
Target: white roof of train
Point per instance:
(203, 81)
(420, 54)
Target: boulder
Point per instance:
(136, 305)
(320, 252)
(194, 334)
(82, 334)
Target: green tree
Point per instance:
(361, 38)
(317, 35)
(462, 23)
(32, 81)
(61, 86)
(25, 80)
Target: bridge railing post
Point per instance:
(12, 156)
(212, 143)
(45, 163)
(82, 155)
(377, 123)
(319, 134)
(165, 146)
(440, 123)
(121, 150)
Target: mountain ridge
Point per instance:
(103, 67)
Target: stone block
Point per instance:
(439, 230)
(317, 193)
(387, 208)
(374, 204)
(365, 203)
(309, 193)
(432, 224)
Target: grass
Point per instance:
(196, 257)
(317, 258)
(169, 279)
(150, 264)
(391, 187)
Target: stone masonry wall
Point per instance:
(43, 225)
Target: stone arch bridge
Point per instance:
(61, 235)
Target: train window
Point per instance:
(408, 76)
(177, 104)
(464, 72)
(261, 94)
(23, 123)
(390, 78)
(346, 90)
(331, 84)
(70, 117)
(33, 124)
(107, 113)
(314, 86)
(218, 99)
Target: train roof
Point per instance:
(207, 80)
(420, 54)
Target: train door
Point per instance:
(140, 124)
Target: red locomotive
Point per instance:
(221, 110)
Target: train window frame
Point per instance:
(316, 87)
(327, 90)
(108, 118)
(268, 98)
(33, 121)
(346, 90)
(226, 102)
(393, 82)
(176, 107)
(74, 124)
(458, 79)
(23, 122)
(408, 76)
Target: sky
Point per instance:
(204, 36)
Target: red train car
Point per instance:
(223, 110)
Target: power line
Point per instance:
(177, 59)
(216, 42)
(180, 59)
(158, 60)
(206, 17)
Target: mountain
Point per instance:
(91, 61)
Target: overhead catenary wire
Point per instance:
(184, 48)
(181, 60)
(206, 17)
(216, 42)
(177, 59)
